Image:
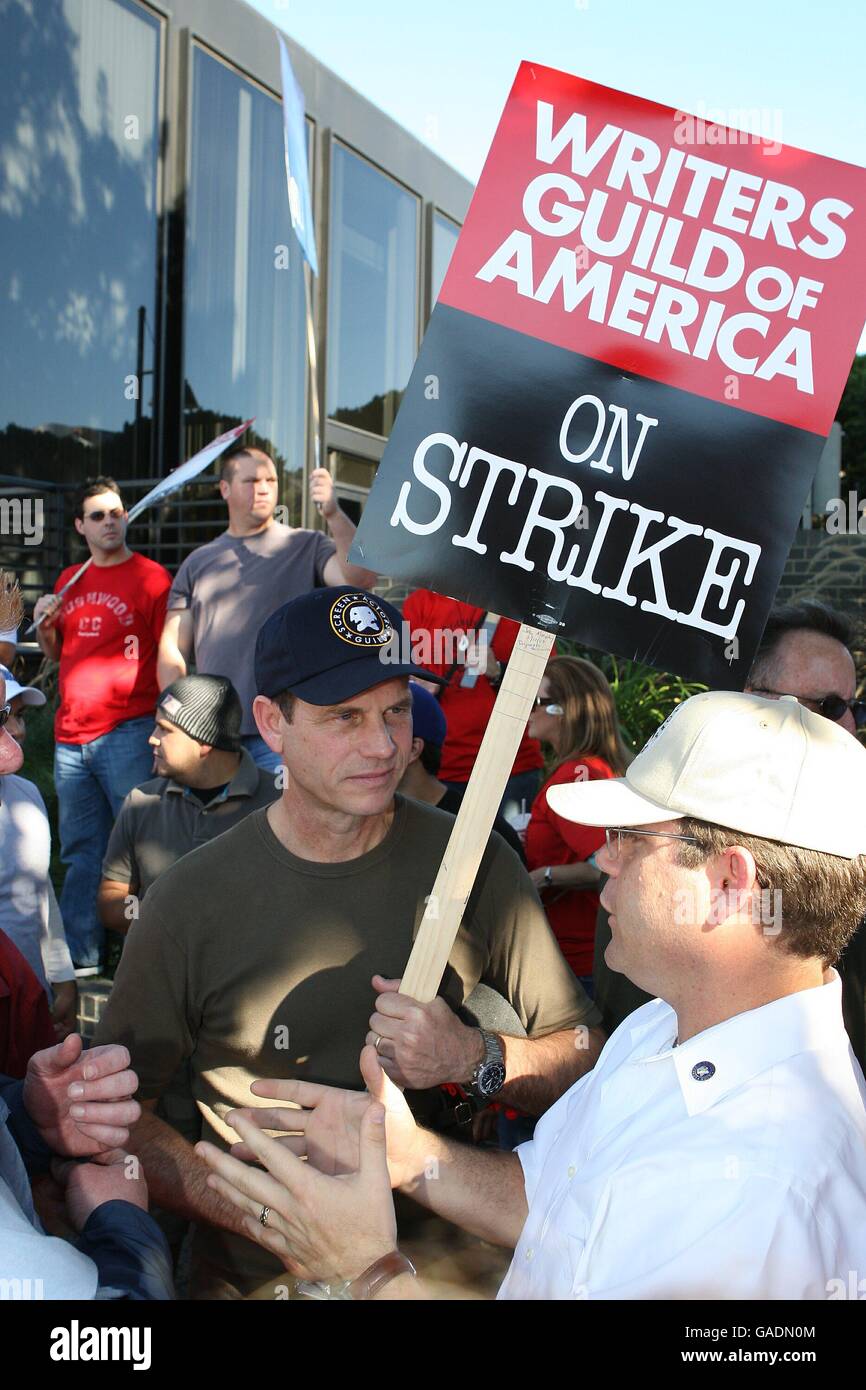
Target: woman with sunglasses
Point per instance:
(575, 715)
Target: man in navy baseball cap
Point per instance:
(332, 670)
(330, 644)
(291, 930)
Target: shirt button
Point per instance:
(530, 1252)
(571, 1170)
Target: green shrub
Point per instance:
(644, 696)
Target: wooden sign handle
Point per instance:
(468, 840)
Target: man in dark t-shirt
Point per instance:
(224, 590)
(277, 949)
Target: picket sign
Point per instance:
(468, 839)
(584, 445)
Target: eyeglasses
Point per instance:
(116, 513)
(831, 706)
(542, 701)
(614, 837)
(5, 715)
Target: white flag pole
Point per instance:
(471, 831)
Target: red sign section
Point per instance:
(695, 255)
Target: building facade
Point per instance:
(153, 291)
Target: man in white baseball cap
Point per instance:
(717, 1150)
(20, 697)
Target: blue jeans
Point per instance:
(260, 753)
(92, 780)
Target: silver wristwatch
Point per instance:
(488, 1077)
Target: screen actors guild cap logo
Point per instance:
(358, 620)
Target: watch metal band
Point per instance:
(380, 1273)
(494, 1057)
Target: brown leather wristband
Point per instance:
(380, 1273)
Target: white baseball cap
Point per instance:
(32, 696)
(765, 767)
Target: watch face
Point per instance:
(491, 1079)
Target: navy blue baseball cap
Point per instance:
(428, 717)
(331, 644)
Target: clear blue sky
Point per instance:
(443, 69)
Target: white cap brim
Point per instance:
(606, 802)
(32, 696)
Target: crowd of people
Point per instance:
(643, 1069)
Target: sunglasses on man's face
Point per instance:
(5, 715)
(831, 706)
(116, 513)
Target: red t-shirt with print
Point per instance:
(467, 710)
(110, 625)
(550, 839)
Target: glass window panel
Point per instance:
(348, 468)
(445, 234)
(245, 315)
(372, 293)
(79, 119)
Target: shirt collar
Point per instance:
(244, 783)
(722, 1058)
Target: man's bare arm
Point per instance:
(540, 1070)
(480, 1190)
(423, 1045)
(111, 904)
(176, 1178)
(175, 647)
(46, 613)
(338, 570)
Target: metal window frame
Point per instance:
(436, 211)
(244, 41)
(368, 444)
(192, 40)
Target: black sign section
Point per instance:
(637, 517)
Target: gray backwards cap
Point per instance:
(205, 707)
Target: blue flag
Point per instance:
(297, 173)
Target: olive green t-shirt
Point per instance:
(252, 962)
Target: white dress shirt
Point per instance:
(732, 1166)
(29, 912)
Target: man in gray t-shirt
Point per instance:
(225, 590)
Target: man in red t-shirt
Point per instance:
(105, 634)
(467, 702)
